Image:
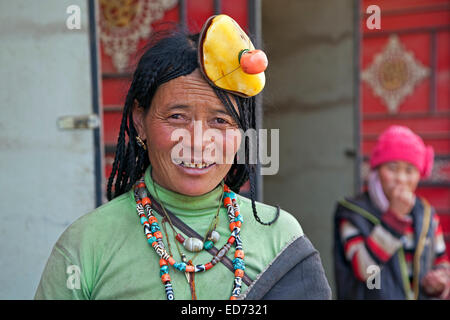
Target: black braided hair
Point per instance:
(171, 54)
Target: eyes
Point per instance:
(220, 120)
(213, 120)
(396, 167)
(176, 116)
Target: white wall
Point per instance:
(47, 175)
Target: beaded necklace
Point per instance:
(154, 238)
(179, 238)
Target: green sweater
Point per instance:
(104, 254)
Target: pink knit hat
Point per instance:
(400, 143)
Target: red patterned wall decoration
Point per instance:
(405, 79)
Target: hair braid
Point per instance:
(252, 176)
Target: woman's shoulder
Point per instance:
(286, 224)
(104, 220)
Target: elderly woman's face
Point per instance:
(188, 107)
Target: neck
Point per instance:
(181, 204)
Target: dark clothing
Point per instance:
(392, 276)
(299, 263)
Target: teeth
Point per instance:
(195, 165)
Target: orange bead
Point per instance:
(162, 262)
(232, 225)
(171, 261)
(239, 254)
(158, 235)
(254, 61)
(152, 219)
(227, 201)
(190, 269)
(239, 273)
(233, 298)
(226, 188)
(146, 201)
(165, 277)
(238, 224)
(141, 185)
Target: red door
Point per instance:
(405, 80)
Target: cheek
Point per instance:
(387, 180)
(159, 138)
(413, 181)
(231, 143)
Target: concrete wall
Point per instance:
(47, 175)
(309, 96)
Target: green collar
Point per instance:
(183, 205)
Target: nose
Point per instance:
(198, 140)
(401, 177)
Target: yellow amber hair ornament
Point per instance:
(228, 59)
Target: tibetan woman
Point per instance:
(175, 226)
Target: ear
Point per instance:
(139, 119)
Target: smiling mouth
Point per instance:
(194, 165)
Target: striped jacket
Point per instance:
(377, 256)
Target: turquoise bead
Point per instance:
(180, 266)
(238, 263)
(163, 270)
(154, 227)
(231, 195)
(208, 245)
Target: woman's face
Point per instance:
(188, 133)
(401, 174)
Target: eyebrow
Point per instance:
(185, 107)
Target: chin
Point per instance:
(195, 188)
(196, 182)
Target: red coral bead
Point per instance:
(165, 277)
(239, 273)
(158, 235)
(180, 238)
(208, 266)
(146, 201)
(254, 61)
(162, 262)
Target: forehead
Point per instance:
(401, 163)
(191, 90)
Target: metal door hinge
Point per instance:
(89, 121)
